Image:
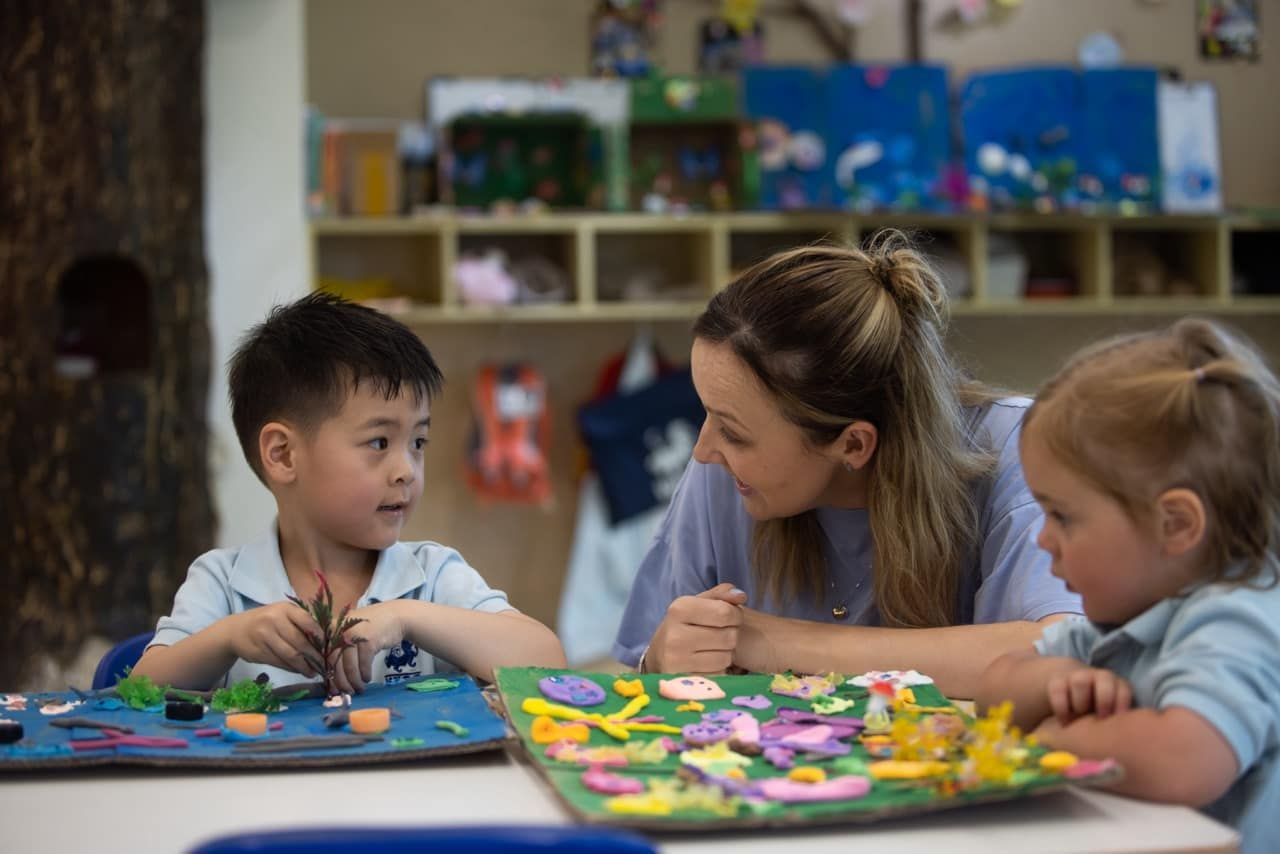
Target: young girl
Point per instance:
(1156, 458)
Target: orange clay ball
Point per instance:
(248, 723)
(370, 721)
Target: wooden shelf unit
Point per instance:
(696, 254)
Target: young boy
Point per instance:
(331, 403)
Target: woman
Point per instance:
(853, 502)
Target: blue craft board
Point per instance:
(1121, 130)
(1035, 112)
(45, 746)
(793, 97)
(904, 109)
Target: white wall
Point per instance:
(255, 230)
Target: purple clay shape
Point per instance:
(780, 757)
(753, 701)
(722, 716)
(571, 690)
(702, 734)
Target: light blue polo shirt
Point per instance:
(223, 582)
(1216, 652)
(705, 539)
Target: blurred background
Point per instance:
(548, 191)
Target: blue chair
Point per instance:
(500, 839)
(121, 656)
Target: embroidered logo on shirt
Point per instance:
(401, 663)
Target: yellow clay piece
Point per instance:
(807, 774)
(897, 769)
(544, 730)
(646, 804)
(248, 723)
(370, 721)
(691, 706)
(1058, 760)
(628, 687)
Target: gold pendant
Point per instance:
(839, 612)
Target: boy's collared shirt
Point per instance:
(1215, 651)
(223, 582)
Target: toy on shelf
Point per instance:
(675, 752)
(622, 37)
(732, 40)
(505, 143)
(507, 456)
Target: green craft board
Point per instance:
(888, 799)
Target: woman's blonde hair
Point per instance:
(1190, 406)
(839, 334)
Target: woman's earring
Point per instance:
(848, 467)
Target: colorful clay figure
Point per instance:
(878, 703)
(690, 688)
(572, 690)
(898, 678)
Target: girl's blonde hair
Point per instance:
(1190, 407)
(840, 334)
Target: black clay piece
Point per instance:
(10, 731)
(183, 710)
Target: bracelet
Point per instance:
(640, 663)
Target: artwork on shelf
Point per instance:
(1190, 162)
(676, 752)
(507, 143)
(441, 715)
(788, 111)
(1228, 29)
(889, 138)
(688, 150)
(503, 162)
(1120, 163)
(1023, 138)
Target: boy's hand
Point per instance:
(382, 629)
(1088, 691)
(699, 633)
(277, 635)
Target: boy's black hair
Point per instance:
(302, 362)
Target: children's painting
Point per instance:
(1228, 29)
(675, 752)
(250, 724)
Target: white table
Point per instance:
(137, 811)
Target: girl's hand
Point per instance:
(1088, 691)
(277, 635)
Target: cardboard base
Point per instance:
(46, 747)
(886, 800)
